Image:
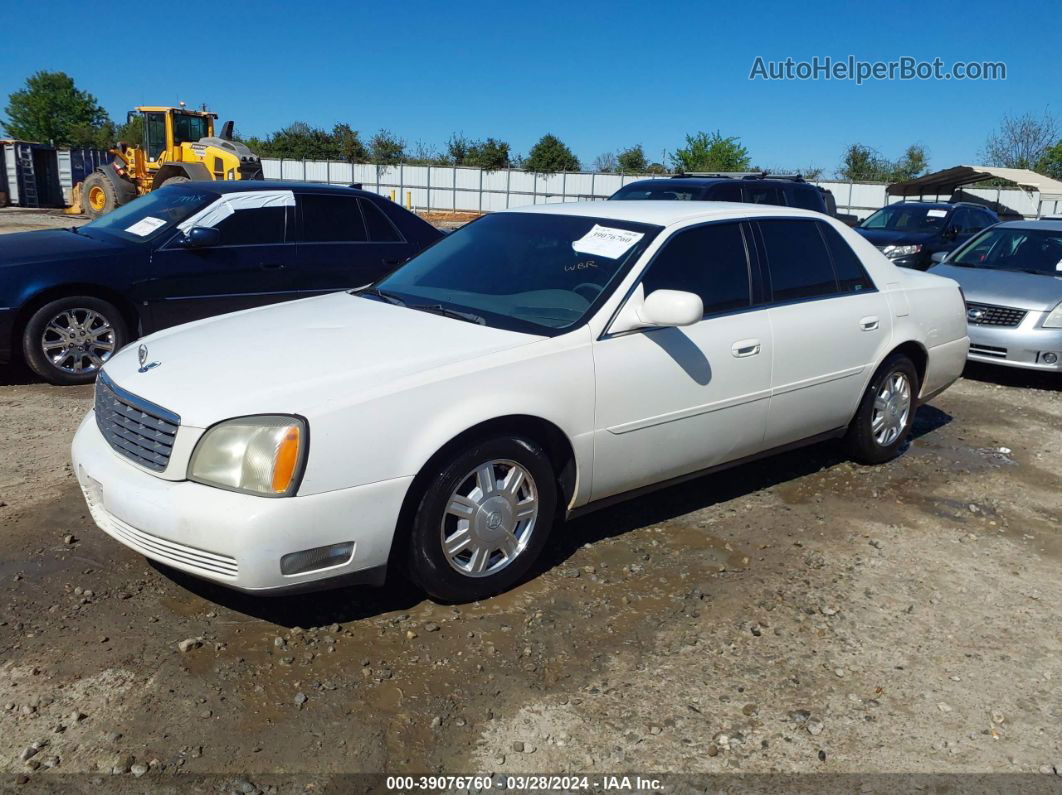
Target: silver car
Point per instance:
(1011, 275)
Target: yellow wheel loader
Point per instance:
(179, 145)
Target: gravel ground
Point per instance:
(800, 614)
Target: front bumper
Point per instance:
(236, 540)
(1028, 345)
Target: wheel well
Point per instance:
(917, 354)
(125, 306)
(194, 171)
(553, 440)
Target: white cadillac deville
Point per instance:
(534, 364)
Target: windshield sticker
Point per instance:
(936, 213)
(145, 226)
(607, 241)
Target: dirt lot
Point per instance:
(801, 614)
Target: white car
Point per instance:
(534, 364)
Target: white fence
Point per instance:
(473, 189)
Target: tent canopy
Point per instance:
(946, 181)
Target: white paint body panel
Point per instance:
(383, 388)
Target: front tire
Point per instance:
(483, 520)
(885, 416)
(98, 196)
(66, 341)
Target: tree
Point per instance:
(490, 154)
(713, 152)
(386, 149)
(348, 144)
(863, 164)
(550, 155)
(605, 163)
(1021, 141)
(632, 160)
(656, 168)
(1050, 164)
(913, 163)
(51, 109)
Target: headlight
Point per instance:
(894, 252)
(1054, 319)
(262, 455)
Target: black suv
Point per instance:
(758, 187)
(910, 233)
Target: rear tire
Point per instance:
(482, 521)
(98, 195)
(886, 412)
(66, 341)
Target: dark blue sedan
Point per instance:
(70, 298)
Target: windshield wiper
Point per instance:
(391, 299)
(439, 309)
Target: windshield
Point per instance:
(1027, 250)
(528, 272)
(907, 218)
(667, 191)
(152, 215)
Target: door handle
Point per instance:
(391, 263)
(271, 266)
(743, 348)
(869, 323)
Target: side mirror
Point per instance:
(939, 256)
(671, 308)
(200, 237)
(951, 233)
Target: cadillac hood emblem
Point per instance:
(142, 356)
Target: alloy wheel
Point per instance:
(78, 341)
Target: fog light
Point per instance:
(317, 558)
(1050, 358)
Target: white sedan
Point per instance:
(532, 365)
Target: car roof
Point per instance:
(663, 213)
(247, 185)
(1035, 223)
(706, 181)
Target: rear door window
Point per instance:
(797, 260)
(725, 192)
(710, 261)
(762, 194)
(331, 219)
(851, 275)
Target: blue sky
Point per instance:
(600, 75)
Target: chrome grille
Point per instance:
(139, 430)
(988, 315)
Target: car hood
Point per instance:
(1031, 291)
(893, 237)
(294, 357)
(42, 245)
